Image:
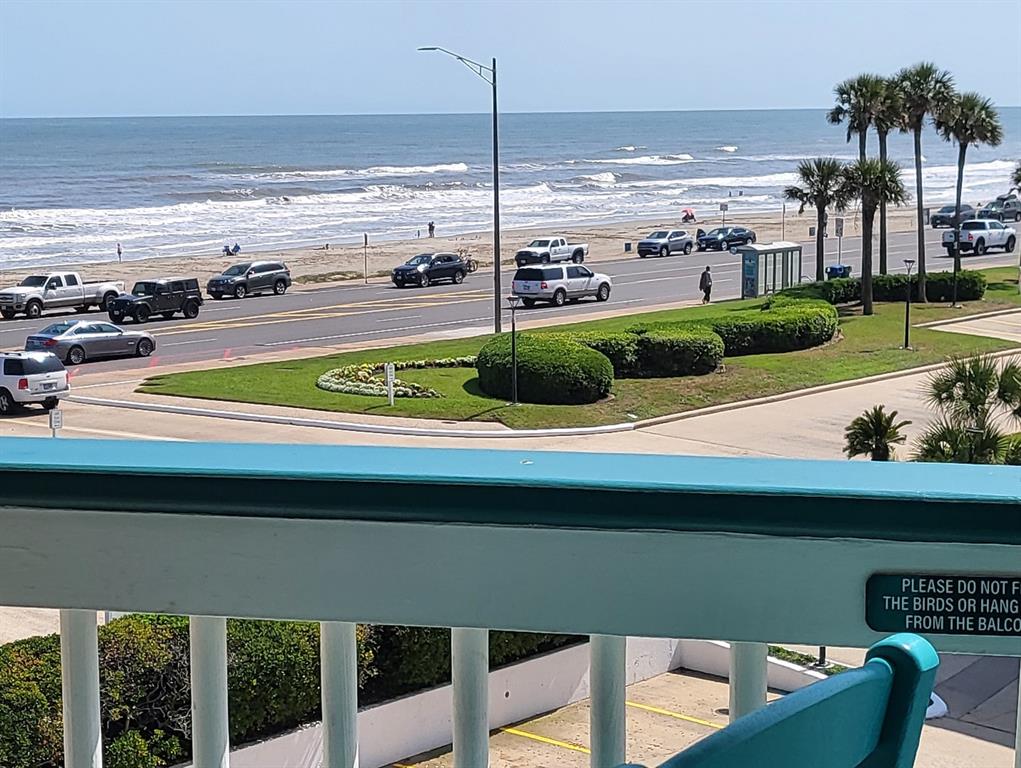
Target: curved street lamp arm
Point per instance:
(486, 73)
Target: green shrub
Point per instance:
(939, 286)
(552, 369)
(620, 348)
(678, 351)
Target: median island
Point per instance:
(627, 368)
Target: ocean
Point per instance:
(71, 189)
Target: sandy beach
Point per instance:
(316, 266)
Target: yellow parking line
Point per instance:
(675, 715)
(545, 740)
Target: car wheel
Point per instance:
(1017, 216)
(33, 310)
(106, 301)
(167, 315)
(280, 287)
(240, 291)
(50, 403)
(7, 404)
(76, 355)
(544, 259)
(1010, 244)
(143, 348)
(459, 277)
(423, 281)
(603, 293)
(980, 247)
(8, 314)
(559, 297)
(142, 314)
(528, 302)
(687, 248)
(752, 240)
(115, 318)
(578, 257)
(191, 309)
(664, 251)
(641, 255)
(217, 296)
(700, 247)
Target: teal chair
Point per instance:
(864, 718)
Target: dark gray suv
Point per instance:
(251, 277)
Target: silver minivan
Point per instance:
(560, 284)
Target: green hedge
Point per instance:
(678, 351)
(552, 369)
(620, 348)
(273, 683)
(939, 287)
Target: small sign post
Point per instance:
(390, 376)
(365, 257)
(56, 421)
(723, 209)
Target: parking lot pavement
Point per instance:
(665, 715)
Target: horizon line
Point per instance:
(425, 114)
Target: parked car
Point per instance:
(666, 241)
(558, 285)
(1003, 208)
(944, 217)
(979, 235)
(31, 377)
(166, 297)
(250, 278)
(547, 249)
(56, 290)
(725, 238)
(75, 341)
(429, 268)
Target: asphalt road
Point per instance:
(330, 316)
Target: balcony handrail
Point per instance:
(903, 501)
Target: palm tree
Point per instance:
(874, 434)
(858, 100)
(975, 397)
(1015, 178)
(820, 187)
(968, 119)
(889, 116)
(872, 182)
(925, 91)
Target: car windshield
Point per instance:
(143, 289)
(56, 329)
(995, 206)
(42, 364)
(948, 209)
(528, 274)
(237, 269)
(657, 235)
(717, 232)
(538, 244)
(34, 281)
(973, 225)
(422, 258)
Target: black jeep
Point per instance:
(166, 297)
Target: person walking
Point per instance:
(705, 284)
(432, 229)
(118, 251)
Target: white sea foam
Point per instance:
(728, 148)
(377, 170)
(630, 148)
(609, 177)
(645, 160)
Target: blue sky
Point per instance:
(200, 58)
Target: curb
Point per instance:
(345, 426)
(968, 318)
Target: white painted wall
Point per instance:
(397, 729)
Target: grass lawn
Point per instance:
(867, 346)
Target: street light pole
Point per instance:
(513, 302)
(909, 263)
(489, 75)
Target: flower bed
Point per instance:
(367, 378)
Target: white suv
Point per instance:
(560, 284)
(31, 377)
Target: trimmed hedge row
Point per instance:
(552, 369)
(679, 351)
(939, 287)
(273, 683)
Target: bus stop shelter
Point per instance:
(768, 267)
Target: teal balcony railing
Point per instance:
(603, 545)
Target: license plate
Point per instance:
(49, 385)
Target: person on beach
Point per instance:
(432, 229)
(118, 251)
(705, 284)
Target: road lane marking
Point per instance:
(547, 740)
(398, 319)
(675, 715)
(179, 343)
(369, 333)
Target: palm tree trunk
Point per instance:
(868, 216)
(820, 243)
(920, 223)
(882, 210)
(862, 136)
(957, 216)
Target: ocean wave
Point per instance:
(376, 170)
(727, 148)
(608, 177)
(678, 159)
(630, 148)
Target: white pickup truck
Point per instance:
(57, 290)
(543, 250)
(979, 235)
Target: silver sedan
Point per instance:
(75, 341)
